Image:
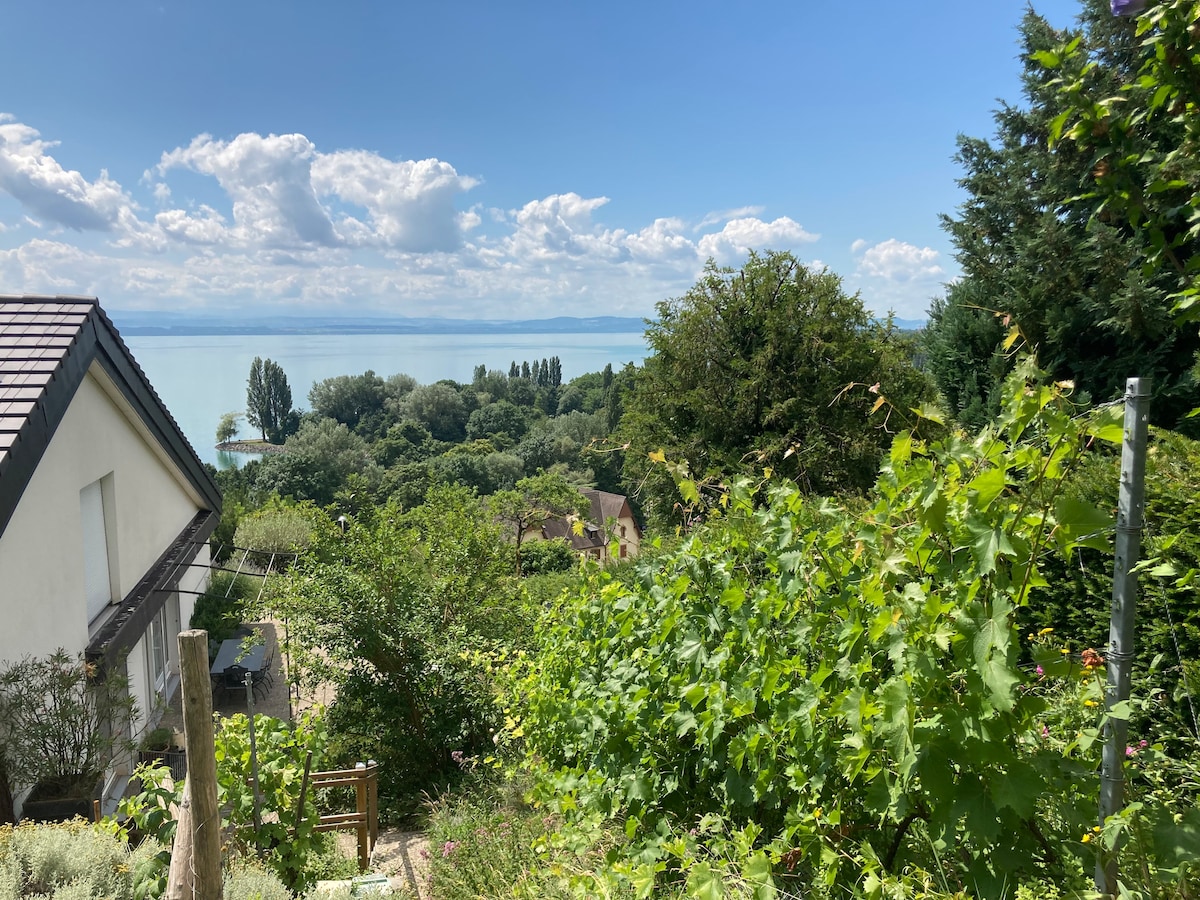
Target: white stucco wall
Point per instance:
(42, 600)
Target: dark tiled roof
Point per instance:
(46, 347)
(604, 506)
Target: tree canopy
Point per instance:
(1041, 248)
(749, 370)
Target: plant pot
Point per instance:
(59, 801)
(174, 759)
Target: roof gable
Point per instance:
(46, 347)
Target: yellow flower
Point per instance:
(1087, 838)
(1097, 829)
(1090, 703)
(1046, 631)
(1065, 650)
(817, 812)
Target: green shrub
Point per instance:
(71, 860)
(224, 605)
(547, 557)
(246, 880)
(1077, 598)
(402, 612)
(274, 534)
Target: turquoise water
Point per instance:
(201, 378)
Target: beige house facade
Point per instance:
(105, 509)
(609, 532)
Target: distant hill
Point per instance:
(142, 323)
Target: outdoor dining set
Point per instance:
(235, 661)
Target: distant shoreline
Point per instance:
(158, 324)
(250, 447)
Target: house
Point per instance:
(610, 518)
(105, 509)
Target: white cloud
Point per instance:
(561, 226)
(284, 225)
(716, 217)
(44, 188)
(269, 180)
(740, 236)
(206, 228)
(410, 203)
(662, 240)
(897, 261)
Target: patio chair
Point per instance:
(234, 678)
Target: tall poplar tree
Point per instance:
(269, 401)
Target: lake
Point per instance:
(202, 377)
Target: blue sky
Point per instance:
(484, 159)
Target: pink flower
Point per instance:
(1040, 671)
(448, 848)
(1045, 732)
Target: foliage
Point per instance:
(227, 427)
(391, 613)
(320, 457)
(499, 418)
(548, 558)
(1076, 599)
(73, 860)
(484, 843)
(356, 401)
(533, 502)
(440, 408)
(64, 720)
(275, 534)
(1141, 136)
(287, 839)
(749, 371)
(840, 696)
(269, 401)
(222, 606)
(1040, 243)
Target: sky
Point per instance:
(483, 159)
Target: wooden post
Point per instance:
(360, 806)
(373, 801)
(180, 884)
(196, 689)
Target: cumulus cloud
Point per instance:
(410, 203)
(269, 180)
(280, 222)
(208, 227)
(897, 261)
(44, 188)
(560, 226)
(661, 241)
(740, 236)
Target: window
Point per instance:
(97, 549)
(156, 647)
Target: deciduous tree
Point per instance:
(749, 370)
(533, 502)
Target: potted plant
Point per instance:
(62, 721)
(164, 747)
